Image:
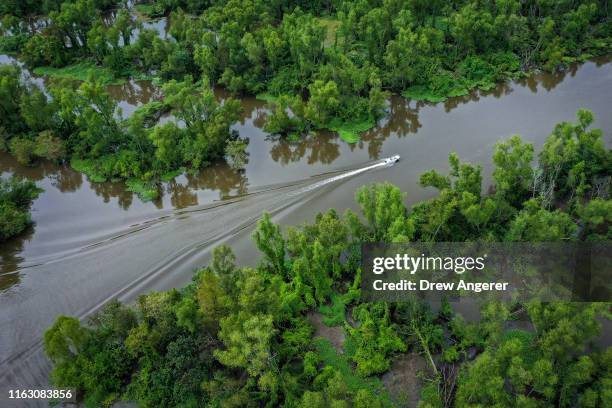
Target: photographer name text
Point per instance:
(425, 285)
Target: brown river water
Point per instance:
(93, 242)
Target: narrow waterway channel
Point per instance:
(93, 242)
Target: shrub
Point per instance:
(12, 221)
(49, 147)
(15, 199)
(23, 149)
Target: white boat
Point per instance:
(392, 159)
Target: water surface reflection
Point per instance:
(74, 212)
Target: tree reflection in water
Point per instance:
(219, 177)
(10, 259)
(321, 147)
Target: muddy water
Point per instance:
(96, 241)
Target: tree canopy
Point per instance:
(339, 58)
(243, 336)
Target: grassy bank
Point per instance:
(81, 72)
(350, 132)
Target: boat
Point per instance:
(392, 159)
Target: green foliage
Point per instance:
(236, 154)
(89, 168)
(340, 362)
(16, 196)
(350, 131)
(11, 90)
(207, 122)
(247, 342)
(101, 375)
(375, 339)
(26, 8)
(49, 147)
(335, 314)
(513, 174)
(145, 191)
(23, 149)
(339, 58)
(383, 208)
(12, 221)
(45, 49)
(287, 117)
(324, 102)
(533, 224)
(423, 93)
(271, 243)
(85, 126)
(530, 368)
(436, 52)
(81, 72)
(316, 251)
(596, 218)
(331, 28)
(417, 325)
(212, 298)
(150, 10)
(14, 34)
(574, 159)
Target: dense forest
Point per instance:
(321, 65)
(242, 336)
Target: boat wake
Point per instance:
(156, 254)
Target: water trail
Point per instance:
(381, 163)
(80, 251)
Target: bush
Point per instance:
(49, 147)
(23, 149)
(12, 221)
(18, 192)
(15, 199)
(43, 49)
(11, 44)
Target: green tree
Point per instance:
(383, 207)
(574, 158)
(323, 103)
(534, 223)
(65, 339)
(167, 141)
(513, 174)
(16, 197)
(375, 339)
(11, 91)
(247, 340)
(271, 243)
(213, 300)
(49, 147)
(207, 123)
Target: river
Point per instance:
(93, 242)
